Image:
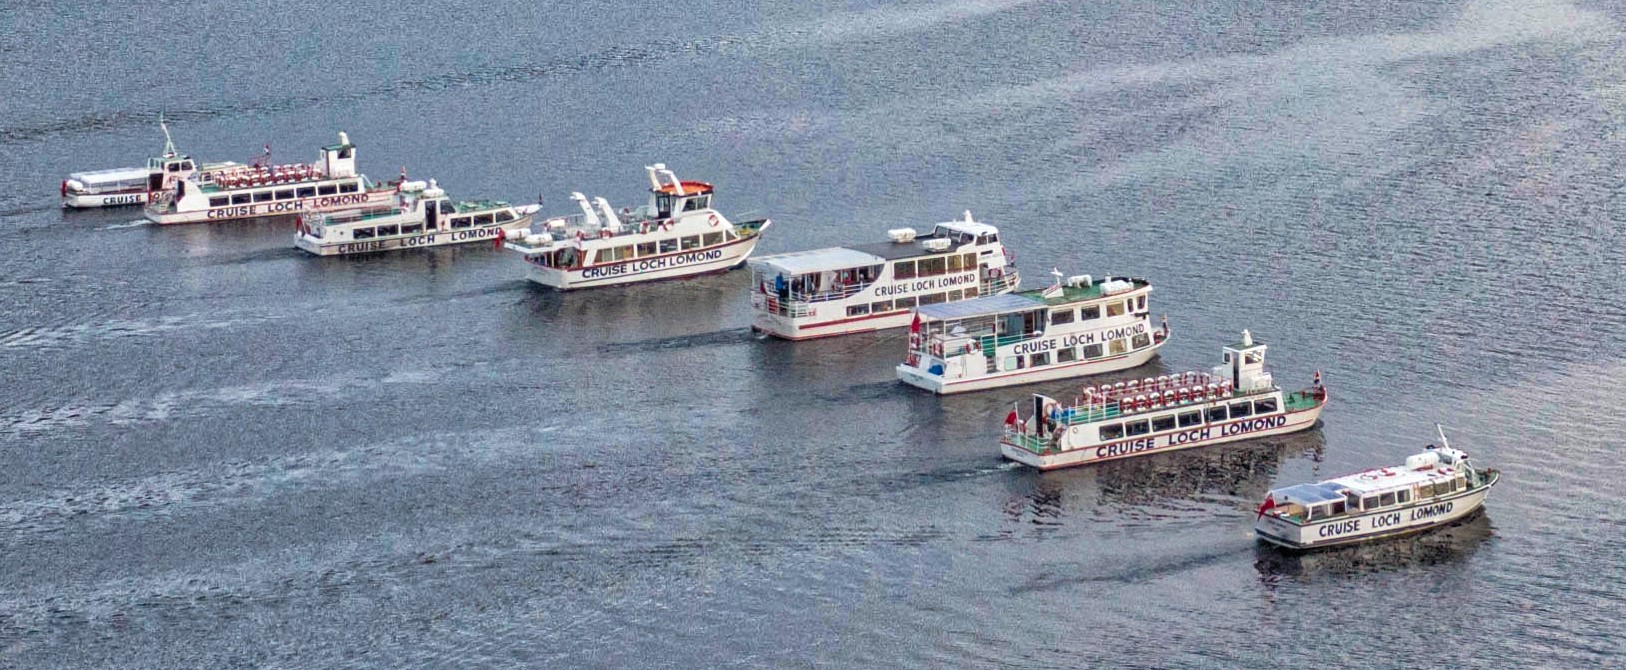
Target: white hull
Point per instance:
(1231, 431)
(916, 377)
(104, 200)
(325, 203)
(435, 239)
(670, 266)
(787, 328)
(1423, 515)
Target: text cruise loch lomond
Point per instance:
(841, 290)
(677, 234)
(1237, 401)
(1074, 328)
(248, 192)
(422, 217)
(1432, 489)
(132, 186)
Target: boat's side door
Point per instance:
(155, 181)
(431, 216)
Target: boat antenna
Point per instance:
(169, 144)
(1443, 442)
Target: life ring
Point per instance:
(714, 220)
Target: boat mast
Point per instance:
(169, 143)
(1443, 442)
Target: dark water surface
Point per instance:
(217, 452)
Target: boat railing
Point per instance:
(1000, 284)
(773, 305)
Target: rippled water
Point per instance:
(216, 452)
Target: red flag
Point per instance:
(1270, 503)
(1010, 419)
(914, 327)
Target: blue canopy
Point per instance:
(994, 304)
(1310, 494)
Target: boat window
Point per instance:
(1140, 427)
(878, 307)
(668, 245)
(1241, 409)
(1425, 490)
(187, 165)
(460, 222)
(991, 238)
(603, 256)
(1315, 512)
(968, 261)
(1115, 308)
(1141, 341)
(1141, 303)
(389, 230)
(955, 264)
(1118, 346)
(623, 252)
(446, 208)
(306, 191)
(646, 249)
(1039, 359)
(1450, 486)
(1008, 363)
(1061, 316)
(1189, 419)
(932, 299)
(345, 152)
(1091, 312)
(483, 220)
(1402, 496)
(1264, 406)
(1092, 351)
(241, 199)
(349, 187)
(903, 270)
(1336, 507)
(711, 239)
(1216, 414)
(1066, 355)
(327, 189)
(221, 201)
(691, 242)
(970, 291)
(857, 310)
(1386, 499)
(1162, 423)
(504, 215)
(413, 229)
(731, 235)
(362, 233)
(955, 295)
(285, 194)
(1352, 501)
(1112, 431)
(931, 267)
(904, 303)
(174, 167)
(1369, 502)
(262, 196)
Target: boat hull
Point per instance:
(281, 208)
(441, 238)
(1389, 523)
(720, 258)
(914, 376)
(1292, 422)
(97, 200)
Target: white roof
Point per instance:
(115, 174)
(1386, 479)
(818, 260)
(971, 227)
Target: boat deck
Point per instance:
(1295, 401)
(466, 206)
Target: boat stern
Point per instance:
(922, 378)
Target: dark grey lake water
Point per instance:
(218, 452)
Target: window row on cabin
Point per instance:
(1066, 315)
(1355, 502)
(1070, 354)
(666, 246)
(911, 302)
(284, 194)
(932, 267)
(1190, 418)
(456, 223)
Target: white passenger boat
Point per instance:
(422, 217)
(1236, 401)
(840, 290)
(1082, 326)
(677, 234)
(1433, 489)
(246, 192)
(132, 186)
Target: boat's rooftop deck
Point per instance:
(466, 206)
(894, 251)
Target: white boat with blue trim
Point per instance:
(1238, 400)
(133, 186)
(840, 290)
(1434, 488)
(1073, 328)
(677, 234)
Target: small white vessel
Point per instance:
(131, 186)
(1238, 400)
(247, 192)
(1432, 489)
(1077, 327)
(840, 290)
(677, 234)
(422, 217)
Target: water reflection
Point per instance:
(1160, 484)
(1450, 544)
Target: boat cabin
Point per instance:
(1428, 475)
(1244, 365)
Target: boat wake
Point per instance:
(713, 339)
(128, 224)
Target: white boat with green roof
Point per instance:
(1238, 400)
(422, 217)
(1073, 328)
